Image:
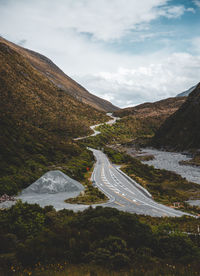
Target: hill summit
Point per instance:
(38, 120)
(181, 131)
(52, 72)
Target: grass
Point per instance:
(145, 157)
(166, 187)
(65, 269)
(38, 123)
(195, 161)
(91, 194)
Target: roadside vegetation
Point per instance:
(38, 123)
(63, 269)
(195, 161)
(42, 241)
(124, 131)
(19, 176)
(91, 194)
(129, 131)
(166, 187)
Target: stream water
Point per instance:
(170, 161)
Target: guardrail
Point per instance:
(142, 189)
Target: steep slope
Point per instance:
(60, 79)
(181, 131)
(38, 122)
(187, 92)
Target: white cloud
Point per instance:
(163, 79)
(102, 19)
(173, 12)
(190, 10)
(196, 44)
(197, 3)
(73, 34)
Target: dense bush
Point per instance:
(103, 236)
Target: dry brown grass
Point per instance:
(60, 79)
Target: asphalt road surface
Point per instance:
(96, 132)
(124, 193)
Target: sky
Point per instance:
(125, 51)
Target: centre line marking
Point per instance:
(122, 195)
(119, 204)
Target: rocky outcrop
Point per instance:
(54, 182)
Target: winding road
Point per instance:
(124, 193)
(96, 132)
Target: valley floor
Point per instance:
(171, 161)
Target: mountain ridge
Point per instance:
(48, 68)
(186, 92)
(181, 131)
(38, 123)
(164, 107)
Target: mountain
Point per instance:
(141, 122)
(45, 66)
(187, 92)
(162, 108)
(181, 131)
(38, 122)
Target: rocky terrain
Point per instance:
(54, 182)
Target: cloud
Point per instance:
(173, 12)
(196, 44)
(197, 3)
(78, 36)
(101, 19)
(171, 76)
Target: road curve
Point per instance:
(124, 193)
(96, 132)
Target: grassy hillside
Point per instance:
(181, 131)
(46, 67)
(38, 122)
(160, 108)
(143, 121)
(137, 124)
